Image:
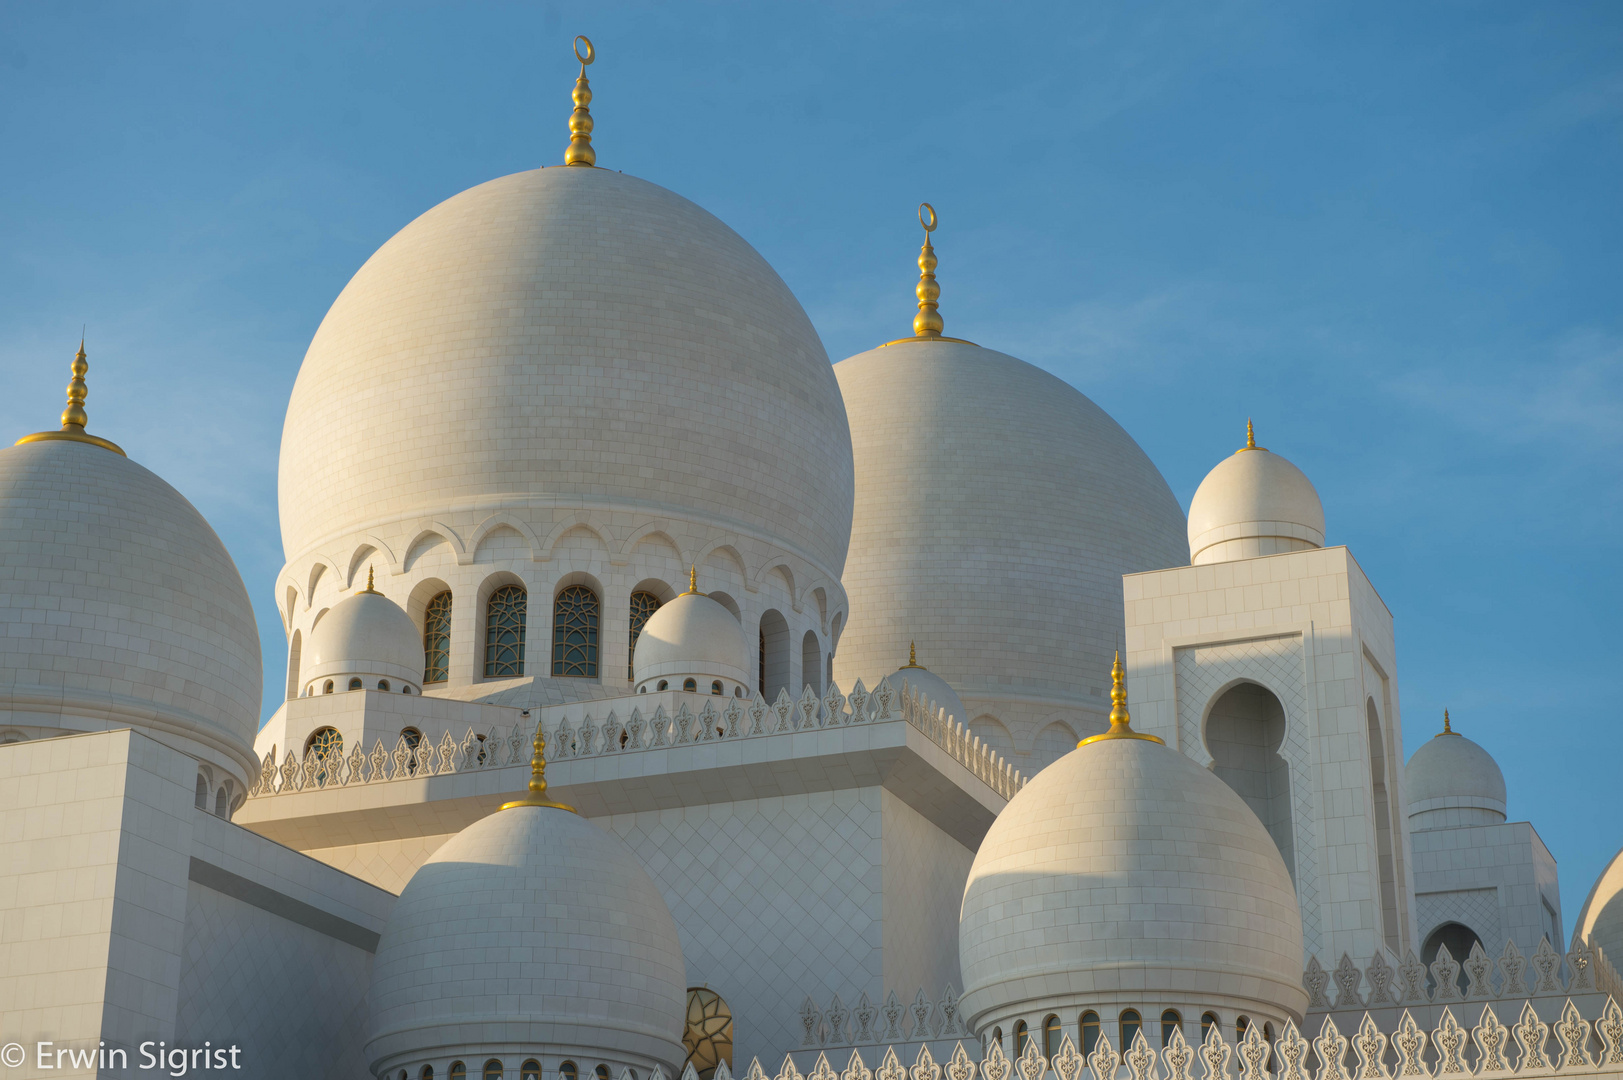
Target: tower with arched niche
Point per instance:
(1270, 659)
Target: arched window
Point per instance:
(427, 1073)
(1383, 828)
(505, 614)
(602, 1072)
(437, 639)
(383, 684)
(200, 796)
(405, 690)
(1207, 1022)
(1129, 1026)
(413, 739)
(664, 684)
(569, 1071)
(459, 1071)
(328, 746)
(327, 689)
(708, 1032)
(643, 604)
(1170, 1020)
(1021, 1035)
(715, 687)
(811, 662)
(1241, 1026)
(530, 1070)
(997, 1035)
(222, 801)
(574, 633)
(1245, 731)
(1458, 939)
(355, 684)
(493, 1070)
(690, 685)
(775, 643)
(1089, 1025)
(1051, 1036)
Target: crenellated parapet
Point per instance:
(611, 731)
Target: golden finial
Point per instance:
(1120, 720)
(1448, 728)
(913, 656)
(580, 150)
(927, 323)
(369, 587)
(538, 777)
(1250, 439)
(693, 579)
(73, 417)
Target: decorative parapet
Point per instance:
(1583, 969)
(865, 1024)
(1531, 1048)
(595, 736)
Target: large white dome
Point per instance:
(531, 931)
(1124, 874)
(997, 509)
(568, 337)
(120, 607)
(1253, 503)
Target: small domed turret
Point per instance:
(692, 643)
(1125, 875)
(531, 932)
(916, 678)
(365, 637)
(1254, 503)
(1453, 781)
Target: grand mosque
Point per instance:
(664, 702)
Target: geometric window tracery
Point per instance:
(327, 745)
(643, 604)
(437, 639)
(574, 633)
(504, 632)
(708, 1034)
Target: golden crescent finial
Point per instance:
(1120, 719)
(927, 323)
(538, 777)
(927, 221)
(580, 150)
(73, 417)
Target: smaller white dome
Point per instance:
(366, 635)
(1452, 781)
(1254, 503)
(532, 931)
(694, 637)
(934, 688)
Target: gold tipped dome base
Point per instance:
(538, 778)
(579, 151)
(927, 324)
(74, 417)
(1120, 720)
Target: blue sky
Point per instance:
(1388, 232)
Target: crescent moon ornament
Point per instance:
(590, 53)
(927, 217)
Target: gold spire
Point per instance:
(538, 777)
(580, 150)
(369, 587)
(73, 417)
(693, 579)
(913, 657)
(1447, 727)
(1120, 720)
(1250, 439)
(927, 323)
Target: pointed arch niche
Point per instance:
(1245, 728)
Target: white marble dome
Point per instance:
(693, 637)
(1253, 503)
(997, 509)
(1600, 920)
(1452, 781)
(530, 932)
(365, 636)
(1125, 875)
(914, 677)
(120, 607)
(575, 337)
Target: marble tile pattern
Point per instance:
(1500, 880)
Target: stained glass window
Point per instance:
(327, 745)
(709, 1032)
(504, 632)
(574, 633)
(437, 639)
(643, 604)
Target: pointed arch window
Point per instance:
(1089, 1023)
(1170, 1022)
(437, 639)
(505, 614)
(1129, 1027)
(575, 617)
(643, 604)
(1051, 1036)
